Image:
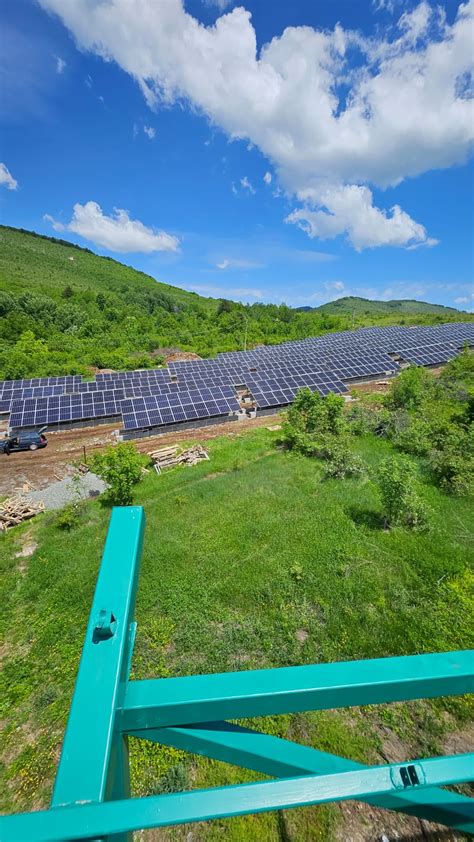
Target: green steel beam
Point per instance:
(281, 758)
(241, 695)
(91, 821)
(91, 741)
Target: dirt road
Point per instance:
(41, 467)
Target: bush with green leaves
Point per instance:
(401, 503)
(68, 517)
(452, 461)
(412, 387)
(120, 466)
(316, 426)
(312, 415)
(340, 461)
(410, 433)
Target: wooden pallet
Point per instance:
(15, 510)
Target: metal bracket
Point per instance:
(105, 627)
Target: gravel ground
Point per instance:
(58, 494)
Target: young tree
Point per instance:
(120, 467)
(411, 388)
(401, 504)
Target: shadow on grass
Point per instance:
(366, 517)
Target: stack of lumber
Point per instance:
(168, 457)
(15, 510)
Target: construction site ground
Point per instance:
(39, 468)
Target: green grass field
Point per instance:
(251, 560)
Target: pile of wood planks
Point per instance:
(15, 510)
(168, 457)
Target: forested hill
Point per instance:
(64, 309)
(350, 305)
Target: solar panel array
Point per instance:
(178, 407)
(200, 389)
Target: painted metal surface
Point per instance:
(276, 757)
(91, 794)
(98, 820)
(237, 695)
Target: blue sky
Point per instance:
(314, 152)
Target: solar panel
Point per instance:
(176, 407)
(31, 412)
(192, 389)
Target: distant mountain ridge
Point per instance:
(349, 305)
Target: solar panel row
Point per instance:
(185, 405)
(202, 388)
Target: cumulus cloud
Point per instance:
(117, 232)
(267, 178)
(150, 132)
(247, 184)
(350, 209)
(402, 109)
(7, 179)
(60, 65)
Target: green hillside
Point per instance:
(46, 265)
(65, 310)
(402, 307)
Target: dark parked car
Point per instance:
(23, 441)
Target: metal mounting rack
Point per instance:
(91, 797)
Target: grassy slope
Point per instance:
(402, 307)
(241, 553)
(39, 264)
(43, 266)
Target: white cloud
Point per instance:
(267, 178)
(88, 81)
(220, 4)
(465, 300)
(150, 132)
(7, 179)
(238, 263)
(404, 110)
(117, 233)
(226, 292)
(350, 209)
(60, 65)
(247, 185)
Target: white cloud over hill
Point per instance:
(117, 233)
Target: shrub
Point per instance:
(400, 501)
(340, 461)
(120, 467)
(453, 470)
(67, 517)
(410, 389)
(361, 419)
(412, 436)
(311, 415)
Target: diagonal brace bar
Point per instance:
(241, 695)
(280, 758)
(96, 820)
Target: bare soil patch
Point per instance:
(39, 468)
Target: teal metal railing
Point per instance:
(91, 797)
